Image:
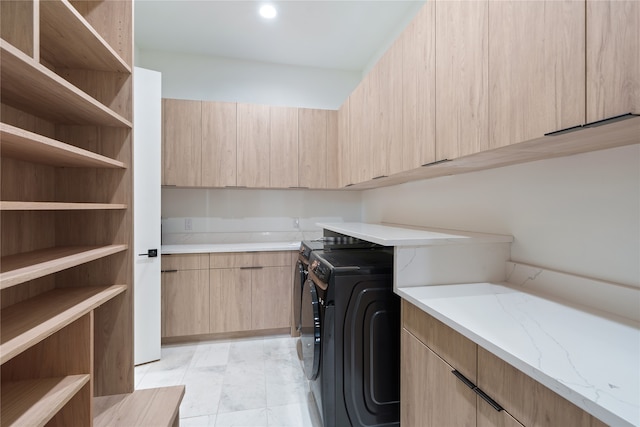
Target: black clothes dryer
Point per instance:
(350, 337)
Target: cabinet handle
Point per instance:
(250, 268)
(436, 162)
(610, 120)
(381, 176)
(464, 379)
(489, 400)
(168, 271)
(477, 390)
(563, 131)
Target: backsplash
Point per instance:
(205, 216)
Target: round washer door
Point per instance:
(310, 330)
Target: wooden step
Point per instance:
(27, 323)
(35, 402)
(154, 407)
(24, 145)
(20, 268)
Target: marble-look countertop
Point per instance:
(589, 358)
(403, 235)
(230, 247)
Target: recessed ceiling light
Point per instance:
(267, 11)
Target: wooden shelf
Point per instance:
(156, 407)
(35, 402)
(20, 268)
(29, 322)
(31, 87)
(67, 40)
(21, 144)
(58, 206)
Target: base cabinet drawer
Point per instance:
(441, 385)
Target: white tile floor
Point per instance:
(250, 382)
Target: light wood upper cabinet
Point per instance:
(254, 137)
(312, 130)
(462, 78)
(359, 134)
(333, 150)
(386, 121)
(344, 146)
(613, 58)
(218, 144)
(537, 71)
(283, 147)
(181, 142)
(419, 89)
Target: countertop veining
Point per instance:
(590, 359)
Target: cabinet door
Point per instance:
(430, 395)
(185, 302)
(359, 134)
(489, 417)
(284, 147)
(537, 68)
(333, 151)
(218, 144)
(271, 297)
(387, 121)
(253, 145)
(613, 58)
(230, 300)
(344, 146)
(419, 89)
(514, 390)
(461, 78)
(313, 147)
(181, 142)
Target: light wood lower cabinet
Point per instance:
(230, 300)
(185, 295)
(271, 297)
(226, 293)
(432, 395)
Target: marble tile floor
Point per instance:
(251, 382)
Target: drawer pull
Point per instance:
(477, 391)
(489, 400)
(168, 271)
(464, 379)
(250, 268)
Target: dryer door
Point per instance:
(310, 330)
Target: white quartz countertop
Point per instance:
(402, 235)
(591, 360)
(230, 247)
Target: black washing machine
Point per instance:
(300, 273)
(350, 337)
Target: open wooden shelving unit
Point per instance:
(66, 192)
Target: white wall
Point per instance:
(197, 77)
(577, 214)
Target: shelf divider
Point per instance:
(35, 402)
(27, 323)
(20, 268)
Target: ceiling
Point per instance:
(333, 34)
